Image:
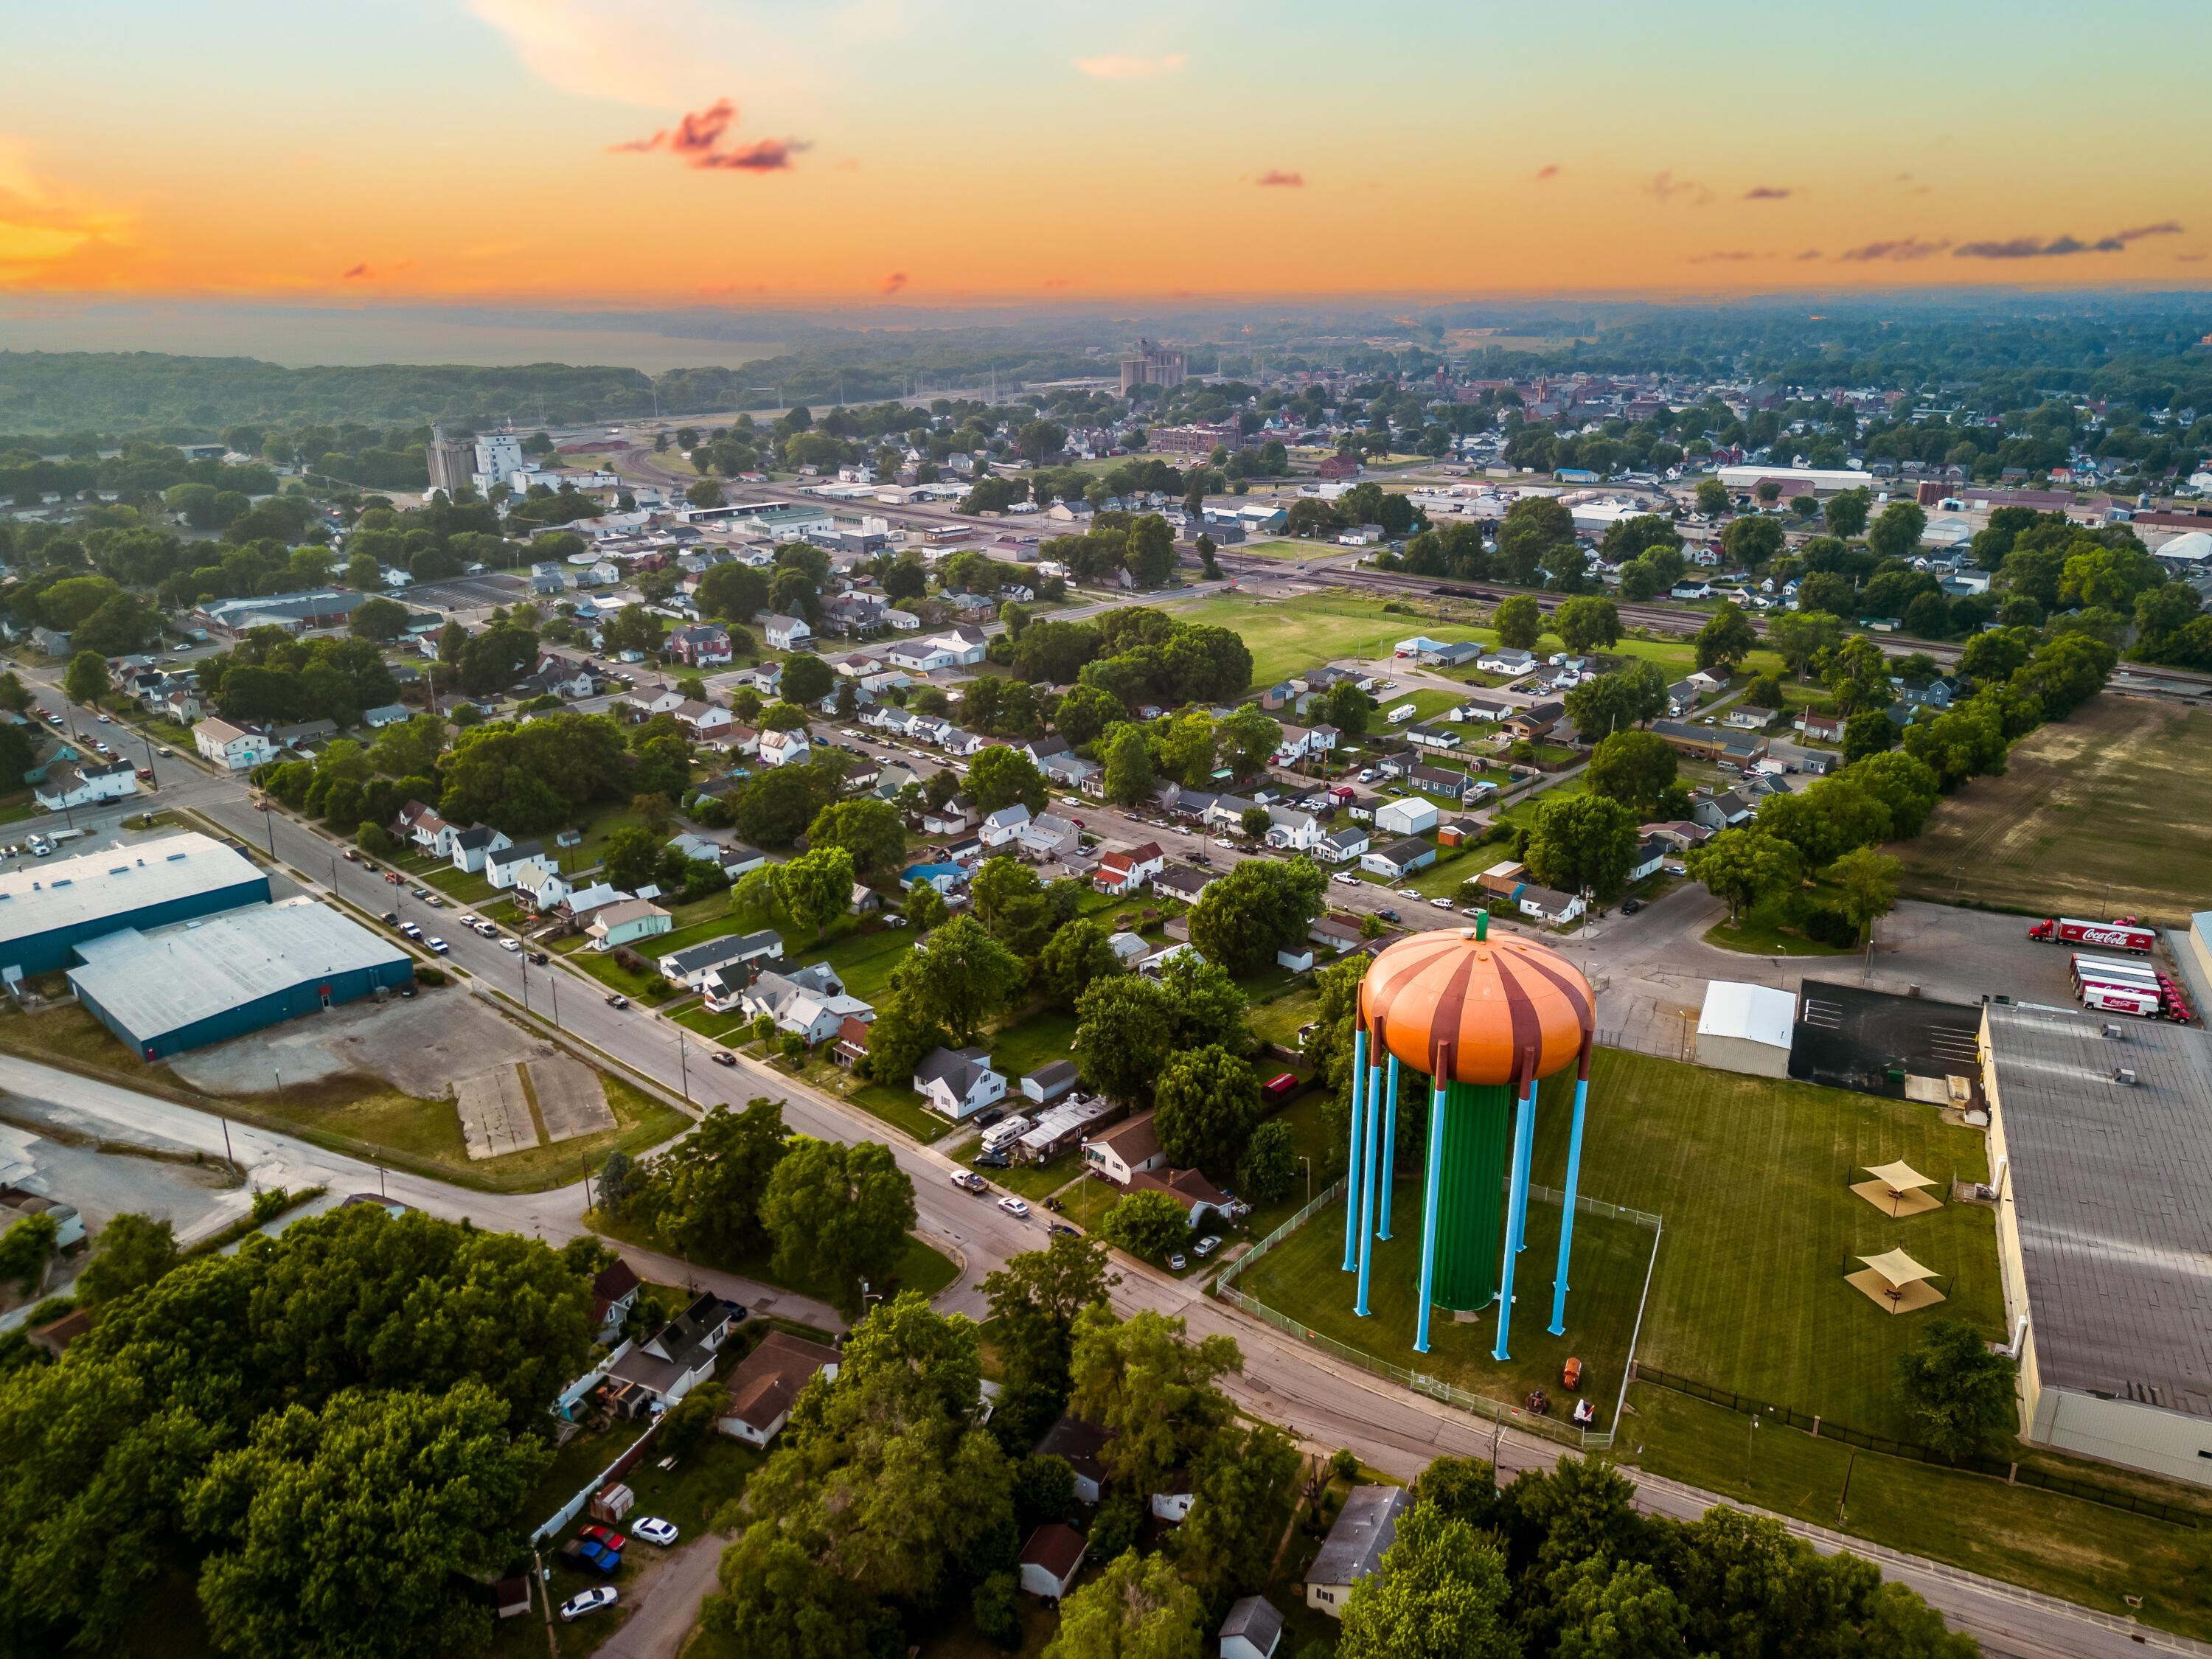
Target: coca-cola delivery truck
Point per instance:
(2137, 981)
(2124, 999)
(2112, 935)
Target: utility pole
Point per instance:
(683, 1065)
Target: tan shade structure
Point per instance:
(1896, 1190)
(1895, 1283)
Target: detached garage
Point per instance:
(1745, 1027)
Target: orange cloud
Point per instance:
(895, 281)
(1767, 193)
(53, 236)
(1549, 170)
(1275, 178)
(697, 138)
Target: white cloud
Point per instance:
(1118, 66)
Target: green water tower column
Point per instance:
(1475, 1134)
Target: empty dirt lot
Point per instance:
(2107, 813)
(418, 1045)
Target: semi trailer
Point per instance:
(2126, 934)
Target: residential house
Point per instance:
(233, 748)
(703, 721)
(786, 633)
(1126, 870)
(1074, 772)
(1485, 705)
(1129, 1149)
(809, 1000)
(1432, 737)
(1547, 905)
(71, 784)
(1298, 832)
(1365, 1528)
(1199, 1197)
(1535, 722)
(1747, 717)
(1723, 812)
(1681, 698)
(688, 968)
(1680, 835)
(1651, 852)
(1438, 781)
(614, 1293)
(1050, 1560)
(784, 748)
(1253, 1630)
(1699, 743)
(1078, 1444)
(1333, 933)
(1340, 845)
(384, 715)
(1181, 881)
(500, 862)
(950, 819)
(701, 645)
(1820, 728)
(1399, 859)
(1003, 825)
(1048, 836)
(1506, 659)
(850, 1045)
(627, 922)
(958, 1082)
(1409, 816)
(675, 1359)
(471, 847)
(767, 1382)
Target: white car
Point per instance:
(1223, 841)
(1345, 879)
(512, 946)
(654, 1530)
(1367, 774)
(437, 945)
(1014, 1207)
(1440, 904)
(466, 920)
(598, 1599)
(1177, 1263)
(1409, 892)
(1207, 1246)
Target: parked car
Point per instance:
(584, 1602)
(603, 1536)
(723, 1057)
(1389, 915)
(1014, 1207)
(1207, 1246)
(582, 1553)
(617, 1001)
(968, 1181)
(1630, 907)
(654, 1530)
(1177, 1262)
(1409, 892)
(438, 947)
(1062, 1227)
(1223, 841)
(411, 930)
(1345, 879)
(1440, 904)
(989, 1115)
(510, 946)
(992, 1161)
(1204, 860)
(538, 958)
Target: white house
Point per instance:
(1003, 825)
(958, 1082)
(1128, 870)
(1253, 1630)
(1050, 1560)
(810, 1001)
(500, 863)
(767, 1381)
(1129, 1149)
(70, 784)
(627, 922)
(232, 747)
(783, 748)
(1299, 832)
(472, 846)
(786, 633)
(690, 968)
(1340, 845)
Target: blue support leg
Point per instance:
(1429, 1216)
(1351, 1174)
(1367, 1181)
(1558, 1326)
(1389, 1144)
(1524, 1160)
(1524, 1131)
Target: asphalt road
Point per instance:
(1283, 1380)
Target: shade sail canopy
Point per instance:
(1479, 1011)
(1900, 1176)
(1897, 1267)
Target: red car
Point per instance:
(606, 1537)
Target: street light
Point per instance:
(1309, 1164)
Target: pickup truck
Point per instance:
(583, 1553)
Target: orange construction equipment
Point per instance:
(1572, 1375)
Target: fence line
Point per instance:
(1479, 1404)
(1992, 1468)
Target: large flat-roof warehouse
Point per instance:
(48, 908)
(2101, 1148)
(167, 989)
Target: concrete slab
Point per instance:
(494, 1113)
(418, 1044)
(571, 1098)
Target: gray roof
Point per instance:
(1254, 1619)
(719, 952)
(2112, 1190)
(1364, 1528)
(958, 1067)
(1058, 1074)
(1406, 851)
(37, 898)
(156, 982)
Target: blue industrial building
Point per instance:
(192, 983)
(48, 908)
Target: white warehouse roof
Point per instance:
(2190, 547)
(1755, 1014)
(64, 892)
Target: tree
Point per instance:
(807, 679)
(1001, 776)
(1847, 511)
(15, 695)
(1148, 1224)
(310, 1513)
(129, 1253)
(708, 492)
(1896, 534)
(1442, 1591)
(1612, 1609)
(1269, 1168)
(1255, 822)
(1137, 1608)
(1867, 881)
(703, 1193)
(1803, 635)
(25, 1250)
(1751, 542)
(632, 857)
(1074, 956)
(1712, 497)
(1259, 907)
(1743, 865)
(1582, 842)
(1519, 622)
(1155, 1392)
(379, 619)
(1206, 1103)
(1587, 624)
(837, 1211)
(817, 887)
(1869, 731)
(1537, 530)
(1124, 1031)
(1614, 703)
(1727, 639)
(780, 1601)
(1150, 552)
(87, 680)
(959, 977)
(1346, 707)
(1636, 768)
(1856, 674)
(1959, 1392)
(1129, 781)
(870, 830)
(775, 808)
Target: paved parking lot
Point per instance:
(467, 592)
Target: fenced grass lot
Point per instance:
(2108, 813)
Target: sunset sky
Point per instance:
(607, 152)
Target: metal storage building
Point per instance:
(201, 981)
(1746, 1028)
(49, 908)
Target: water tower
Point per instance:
(1485, 1020)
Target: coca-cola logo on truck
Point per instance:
(2108, 936)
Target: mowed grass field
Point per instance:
(1750, 1176)
(2107, 813)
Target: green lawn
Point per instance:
(1522, 813)
(1427, 702)
(1285, 635)
(1762, 935)
(1304, 1277)
(896, 1103)
(2086, 1552)
(1752, 1175)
